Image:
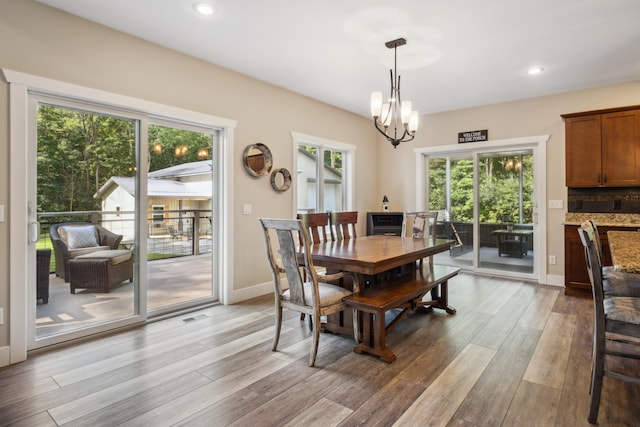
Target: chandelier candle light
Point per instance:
(394, 120)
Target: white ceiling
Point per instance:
(459, 53)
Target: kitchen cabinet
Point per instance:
(603, 148)
(576, 276)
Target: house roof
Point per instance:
(164, 183)
(185, 169)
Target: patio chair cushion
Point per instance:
(116, 256)
(79, 236)
(83, 251)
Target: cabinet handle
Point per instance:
(598, 180)
(605, 178)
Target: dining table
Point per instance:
(625, 250)
(375, 260)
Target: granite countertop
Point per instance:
(603, 219)
(625, 250)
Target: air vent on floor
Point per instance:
(198, 317)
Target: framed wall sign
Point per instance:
(473, 136)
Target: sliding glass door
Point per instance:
(119, 242)
(487, 204)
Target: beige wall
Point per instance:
(48, 43)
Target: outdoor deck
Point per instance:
(171, 281)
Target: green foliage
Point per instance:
(499, 187)
(332, 158)
(79, 151)
(169, 147)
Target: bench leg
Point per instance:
(374, 337)
(439, 299)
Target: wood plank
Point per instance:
(439, 402)
(324, 413)
(533, 405)
(549, 362)
(489, 399)
(386, 405)
(536, 315)
(504, 321)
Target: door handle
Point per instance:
(34, 232)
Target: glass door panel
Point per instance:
(179, 218)
(451, 194)
(86, 173)
(505, 210)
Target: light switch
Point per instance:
(246, 209)
(555, 204)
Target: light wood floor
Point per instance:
(514, 354)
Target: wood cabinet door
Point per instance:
(621, 149)
(583, 151)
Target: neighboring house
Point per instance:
(307, 184)
(176, 195)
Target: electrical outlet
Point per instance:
(246, 209)
(552, 259)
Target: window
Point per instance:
(324, 169)
(158, 215)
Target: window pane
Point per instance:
(333, 182)
(307, 188)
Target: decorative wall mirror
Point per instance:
(281, 179)
(257, 159)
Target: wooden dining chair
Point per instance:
(420, 225)
(616, 329)
(343, 225)
(307, 295)
(318, 226)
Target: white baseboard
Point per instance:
(254, 291)
(555, 280)
(5, 356)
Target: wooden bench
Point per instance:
(406, 294)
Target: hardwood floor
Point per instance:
(514, 354)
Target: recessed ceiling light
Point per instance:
(203, 8)
(535, 70)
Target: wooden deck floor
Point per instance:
(172, 281)
(514, 354)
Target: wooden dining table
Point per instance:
(625, 250)
(375, 260)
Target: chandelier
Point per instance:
(394, 119)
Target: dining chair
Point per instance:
(616, 329)
(421, 224)
(307, 294)
(343, 225)
(616, 283)
(317, 224)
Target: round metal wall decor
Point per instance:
(257, 160)
(281, 179)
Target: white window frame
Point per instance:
(348, 167)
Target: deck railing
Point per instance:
(171, 233)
